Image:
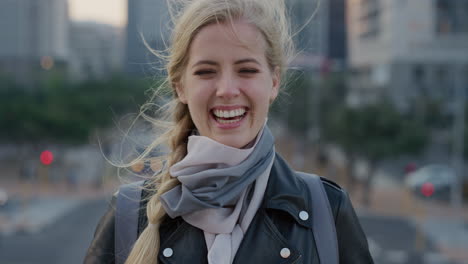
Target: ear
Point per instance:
(180, 92)
(276, 81)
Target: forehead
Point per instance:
(228, 39)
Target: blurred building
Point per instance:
(407, 49)
(323, 38)
(322, 41)
(337, 31)
(308, 19)
(33, 36)
(148, 20)
(96, 50)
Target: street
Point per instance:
(392, 240)
(65, 241)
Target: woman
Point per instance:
(225, 196)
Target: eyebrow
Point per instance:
(209, 62)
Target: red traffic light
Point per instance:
(427, 189)
(47, 157)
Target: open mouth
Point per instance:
(229, 116)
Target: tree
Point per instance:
(292, 106)
(375, 132)
(61, 111)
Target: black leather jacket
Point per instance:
(275, 226)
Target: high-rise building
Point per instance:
(33, 35)
(148, 21)
(308, 19)
(407, 49)
(318, 27)
(337, 33)
(96, 50)
(323, 35)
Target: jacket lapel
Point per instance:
(263, 243)
(286, 192)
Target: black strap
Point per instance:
(323, 222)
(126, 219)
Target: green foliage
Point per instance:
(333, 91)
(465, 136)
(297, 112)
(294, 105)
(60, 111)
(376, 131)
(305, 97)
(431, 113)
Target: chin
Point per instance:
(234, 142)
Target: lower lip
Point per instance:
(229, 125)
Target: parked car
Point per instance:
(440, 176)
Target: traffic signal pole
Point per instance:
(458, 138)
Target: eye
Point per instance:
(204, 72)
(249, 71)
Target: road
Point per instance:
(63, 242)
(394, 240)
(391, 240)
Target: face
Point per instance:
(227, 84)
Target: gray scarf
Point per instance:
(218, 185)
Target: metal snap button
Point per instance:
(285, 253)
(168, 252)
(303, 215)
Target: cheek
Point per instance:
(263, 98)
(261, 106)
(197, 103)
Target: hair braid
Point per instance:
(147, 246)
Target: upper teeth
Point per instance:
(230, 113)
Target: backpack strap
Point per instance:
(323, 222)
(126, 219)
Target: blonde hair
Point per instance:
(189, 16)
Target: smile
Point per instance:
(231, 116)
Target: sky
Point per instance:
(112, 12)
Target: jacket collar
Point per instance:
(287, 192)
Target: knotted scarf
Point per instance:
(221, 189)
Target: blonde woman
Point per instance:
(225, 195)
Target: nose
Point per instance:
(227, 86)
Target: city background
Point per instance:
(375, 100)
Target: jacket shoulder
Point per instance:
(101, 249)
(327, 183)
(352, 242)
(335, 194)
